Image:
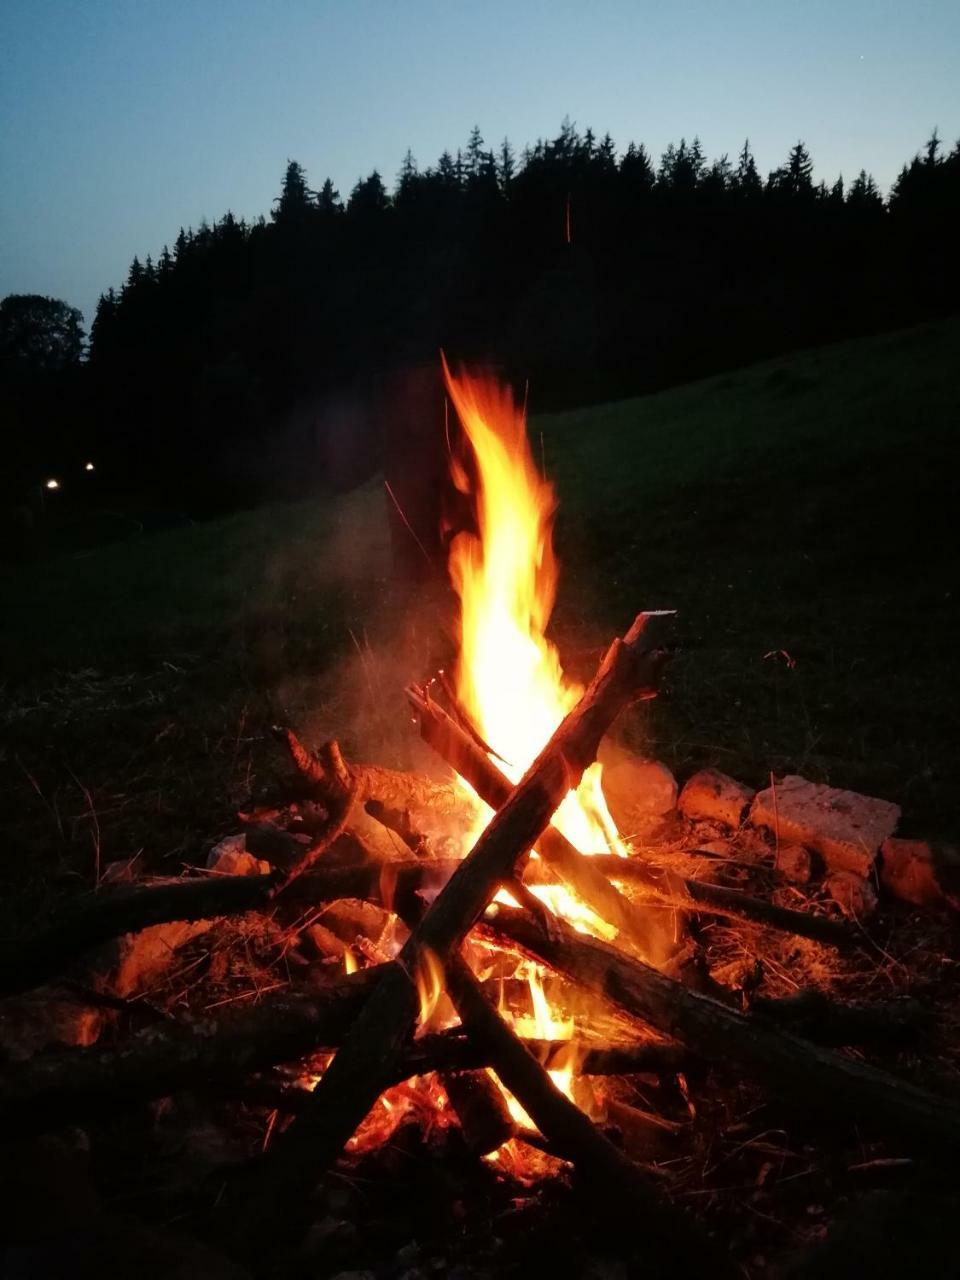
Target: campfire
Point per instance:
(492, 951)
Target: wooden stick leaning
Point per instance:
(787, 1066)
(589, 877)
(341, 808)
(356, 1076)
(460, 751)
(606, 1171)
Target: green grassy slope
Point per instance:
(803, 507)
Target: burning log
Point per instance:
(589, 877)
(481, 1110)
(28, 962)
(357, 1074)
(67, 1085)
(467, 758)
(616, 1180)
(786, 1065)
(715, 899)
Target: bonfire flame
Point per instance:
(509, 676)
(510, 682)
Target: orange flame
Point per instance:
(429, 982)
(509, 676)
(542, 1025)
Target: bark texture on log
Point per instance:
(789, 1067)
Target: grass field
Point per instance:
(800, 514)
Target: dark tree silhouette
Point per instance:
(39, 334)
(592, 274)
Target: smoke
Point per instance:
(379, 632)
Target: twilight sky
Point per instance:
(121, 120)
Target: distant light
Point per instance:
(53, 484)
(88, 466)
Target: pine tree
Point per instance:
(295, 198)
(506, 166)
(369, 197)
(864, 195)
(474, 152)
(746, 180)
(447, 171)
(407, 179)
(717, 180)
(636, 170)
(794, 180)
(606, 156)
(328, 199)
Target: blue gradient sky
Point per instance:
(121, 121)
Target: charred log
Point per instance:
(53, 1088)
(31, 961)
(590, 877)
(580, 874)
(789, 1067)
(616, 1182)
(481, 1109)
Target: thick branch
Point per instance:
(53, 1088)
(98, 917)
(713, 899)
(68, 1085)
(579, 873)
(616, 1182)
(791, 1068)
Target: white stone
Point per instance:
(845, 828)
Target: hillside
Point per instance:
(798, 513)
